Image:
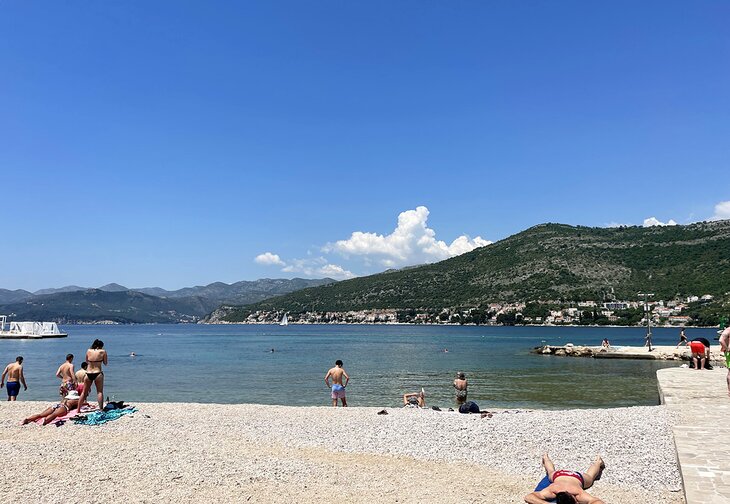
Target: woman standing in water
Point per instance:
(95, 356)
(460, 385)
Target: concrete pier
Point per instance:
(628, 352)
(702, 433)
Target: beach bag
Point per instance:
(112, 405)
(469, 407)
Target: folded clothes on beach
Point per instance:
(102, 417)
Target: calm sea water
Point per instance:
(234, 364)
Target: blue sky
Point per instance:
(171, 143)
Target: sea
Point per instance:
(236, 364)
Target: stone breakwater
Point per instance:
(253, 453)
(628, 352)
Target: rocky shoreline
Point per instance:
(628, 352)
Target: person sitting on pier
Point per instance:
(605, 343)
(567, 487)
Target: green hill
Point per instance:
(120, 306)
(545, 262)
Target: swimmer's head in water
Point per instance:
(84, 365)
(19, 359)
(69, 357)
(564, 498)
(97, 345)
(338, 362)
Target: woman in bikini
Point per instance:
(57, 410)
(95, 356)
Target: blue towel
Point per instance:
(102, 417)
(544, 483)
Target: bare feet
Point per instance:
(601, 466)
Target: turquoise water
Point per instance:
(234, 364)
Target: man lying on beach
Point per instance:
(66, 374)
(338, 388)
(567, 487)
(49, 414)
(14, 372)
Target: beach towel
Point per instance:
(544, 483)
(59, 421)
(102, 417)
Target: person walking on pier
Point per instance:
(682, 338)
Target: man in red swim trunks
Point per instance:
(700, 352)
(568, 487)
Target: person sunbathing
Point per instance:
(415, 399)
(567, 487)
(49, 414)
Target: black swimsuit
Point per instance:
(92, 376)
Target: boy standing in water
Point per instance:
(338, 388)
(66, 374)
(14, 372)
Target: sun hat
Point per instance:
(73, 394)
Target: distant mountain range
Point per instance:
(545, 262)
(117, 303)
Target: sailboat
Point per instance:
(284, 320)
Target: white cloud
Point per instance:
(722, 211)
(653, 221)
(317, 267)
(412, 242)
(335, 271)
(269, 259)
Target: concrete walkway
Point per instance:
(702, 433)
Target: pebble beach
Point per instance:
(185, 452)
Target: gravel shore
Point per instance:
(253, 453)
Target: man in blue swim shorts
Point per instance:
(14, 372)
(338, 388)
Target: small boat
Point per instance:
(29, 330)
(284, 320)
